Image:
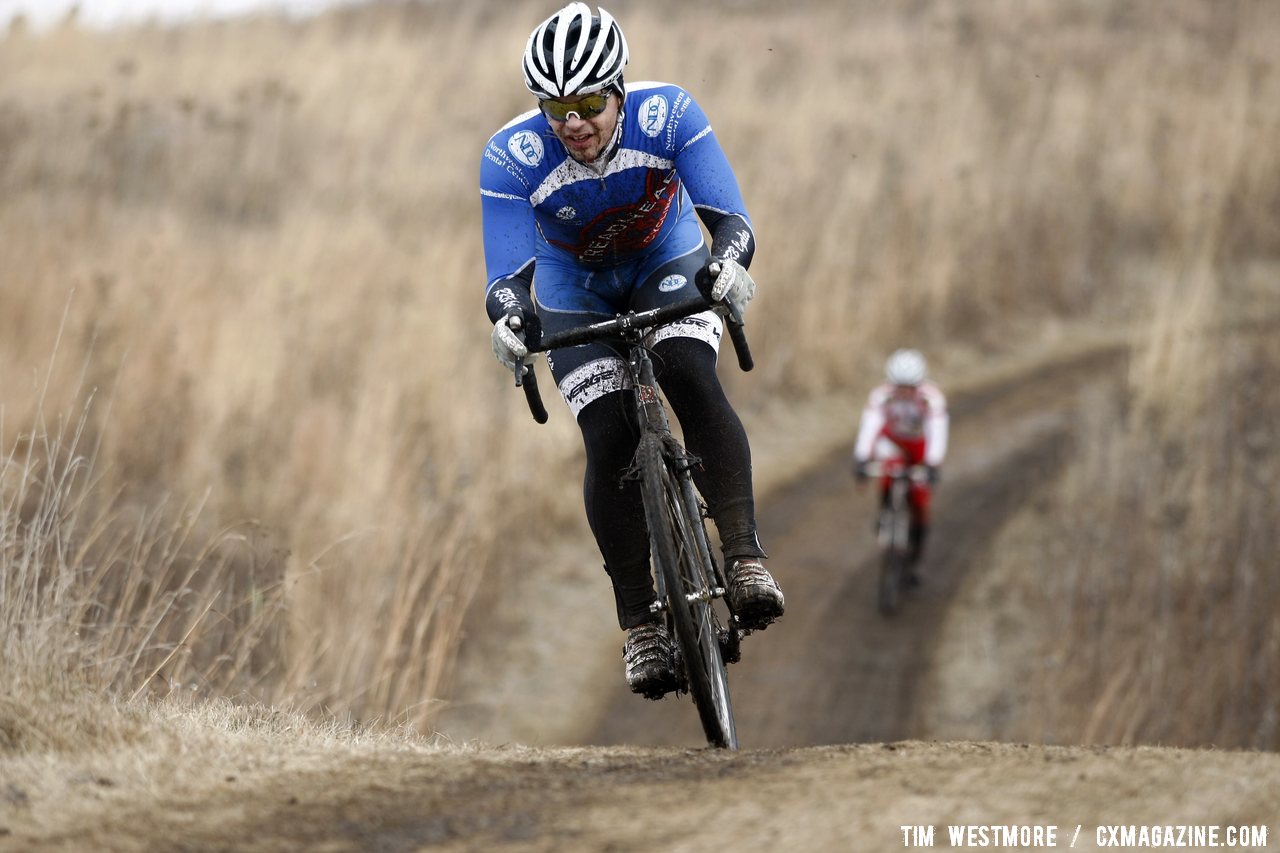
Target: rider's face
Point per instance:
(586, 138)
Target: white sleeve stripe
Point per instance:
(492, 194)
(936, 429)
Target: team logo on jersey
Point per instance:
(653, 115)
(621, 231)
(672, 282)
(566, 213)
(526, 147)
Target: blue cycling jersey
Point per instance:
(540, 203)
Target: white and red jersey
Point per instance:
(901, 421)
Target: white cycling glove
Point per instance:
(732, 284)
(507, 346)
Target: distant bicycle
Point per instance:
(690, 583)
(893, 528)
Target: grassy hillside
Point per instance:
(255, 443)
(1153, 563)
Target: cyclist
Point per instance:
(589, 206)
(905, 420)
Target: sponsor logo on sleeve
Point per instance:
(566, 213)
(494, 154)
(653, 115)
(507, 299)
(677, 112)
(526, 147)
(737, 247)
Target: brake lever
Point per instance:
(525, 377)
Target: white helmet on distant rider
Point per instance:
(906, 367)
(574, 53)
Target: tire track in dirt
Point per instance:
(834, 670)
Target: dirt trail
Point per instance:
(853, 797)
(560, 680)
(837, 671)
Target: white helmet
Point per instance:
(574, 53)
(905, 367)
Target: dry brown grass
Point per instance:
(264, 237)
(1157, 557)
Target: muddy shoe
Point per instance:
(753, 594)
(650, 660)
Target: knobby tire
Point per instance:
(891, 573)
(680, 553)
(893, 566)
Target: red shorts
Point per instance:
(912, 453)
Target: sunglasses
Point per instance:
(587, 107)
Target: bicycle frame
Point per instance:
(687, 577)
(893, 527)
(653, 418)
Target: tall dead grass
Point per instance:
(242, 278)
(99, 596)
(1158, 569)
(265, 237)
(1165, 600)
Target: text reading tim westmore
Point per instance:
(1119, 837)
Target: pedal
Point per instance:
(730, 640)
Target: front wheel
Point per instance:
(892, 573)
(893, 562)
(682, 557)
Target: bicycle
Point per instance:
(893, 529)
(690, 582)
